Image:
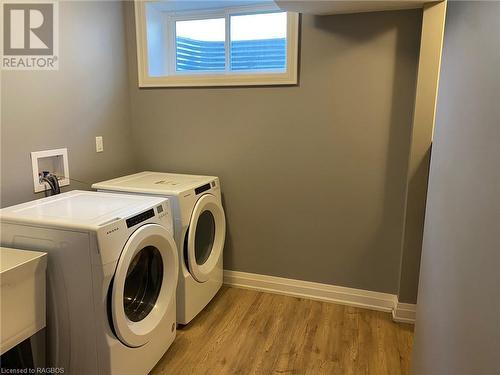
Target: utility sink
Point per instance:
(22, 295)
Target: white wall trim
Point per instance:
(404, 312)
(311, 290)
(401, 312)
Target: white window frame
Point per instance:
(220, 78)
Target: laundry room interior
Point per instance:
(250, 187)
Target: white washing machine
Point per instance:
(199, 226)
(112, 275)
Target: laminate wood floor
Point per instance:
(248, 332)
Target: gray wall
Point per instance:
(87, 97)
(312, 175)
(457, 329)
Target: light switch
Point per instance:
(99, 145)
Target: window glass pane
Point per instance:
(200, 45)
(258, 41)
(157, 56)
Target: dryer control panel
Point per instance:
(203, 188)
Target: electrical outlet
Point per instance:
(99, 145)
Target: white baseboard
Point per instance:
(311, 290)
(401, 312)
(404, 312)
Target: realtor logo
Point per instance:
(29, 40)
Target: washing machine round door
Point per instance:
(144, 284)
(206, 235)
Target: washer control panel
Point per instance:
(143, 216)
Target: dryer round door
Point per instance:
(144, 284)
(206, 235)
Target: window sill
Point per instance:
(217, 80)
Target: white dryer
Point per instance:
(199, 226)
(112, 275)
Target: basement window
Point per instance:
(227, 43)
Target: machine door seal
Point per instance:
(206, 235)
(144, 284)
